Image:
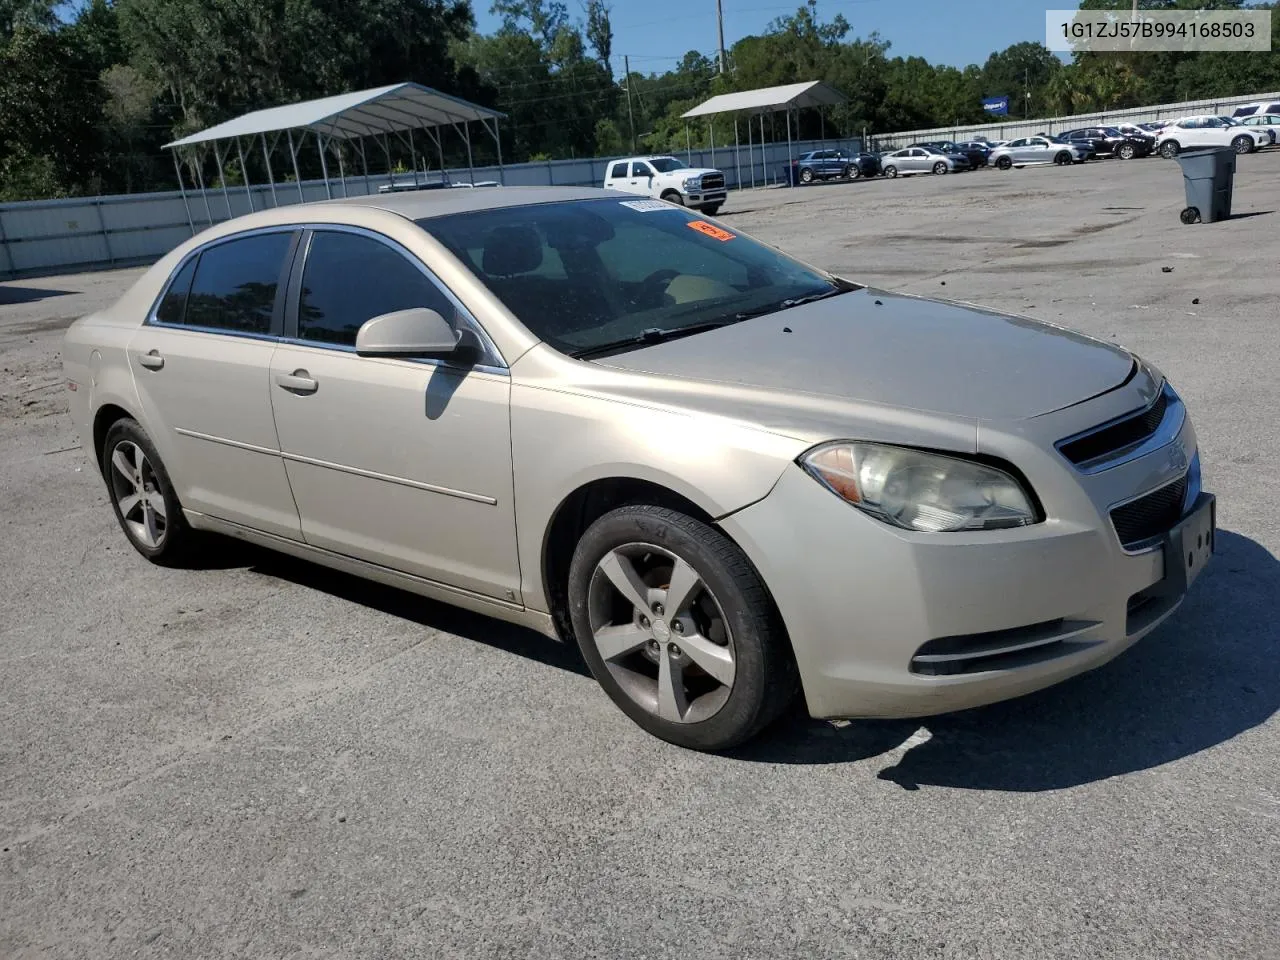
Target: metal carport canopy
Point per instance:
(791, 96)
(401, 106)
(398, 109)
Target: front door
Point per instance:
(201, 364)
(403, 463)
(641, 180)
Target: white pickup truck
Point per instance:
(666, 178)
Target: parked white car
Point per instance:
(666, 178)
(1254, 109)
(1209, 131)
(1267, 121)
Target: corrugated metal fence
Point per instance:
(47, 236)
(1027, 128)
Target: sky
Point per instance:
(657, 33)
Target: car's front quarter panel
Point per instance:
(565, 436)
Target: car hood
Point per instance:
(689, 172)
(907, 352)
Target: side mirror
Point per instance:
(418, 332)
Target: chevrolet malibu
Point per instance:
(730, 477)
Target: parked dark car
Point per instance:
(975, 153)
(833, 164)
(1110, 142)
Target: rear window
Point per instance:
(174, 305)
(619, 171)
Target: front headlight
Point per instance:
(692, 183)
(921, 491)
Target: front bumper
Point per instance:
(704, 197)
(866, 603)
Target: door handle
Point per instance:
(297, 382)
(151, 360)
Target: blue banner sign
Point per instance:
(996, 105)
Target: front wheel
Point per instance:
(852, 172)
(890, 171)
(806, 175)
(1004, 163)
(142, 496)
(940, 168)
(1243, 144)
(711, 209)
(1062, 159)
(1126, 151)
(672, 196)
(678, 628)
(1170, 149)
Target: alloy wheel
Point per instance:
(137, 493)
(661, 633)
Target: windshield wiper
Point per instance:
(649, 337)
(793, 302)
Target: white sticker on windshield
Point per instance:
(646, 206)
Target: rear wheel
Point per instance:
(806, 175)
(891, 171)
(1170, 149)
(142, 495)
(1243, 144)
(677, 627)
(940, 167)
(1004, 163)
(1190, 215)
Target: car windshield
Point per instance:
(666, 164)
(597, 276)
(1056, 140)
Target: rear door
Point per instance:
(617, 176)
(201, 365)
(400, 462)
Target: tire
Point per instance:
(673, 196)
(711, 209)
(806, 175)
(1190, 215)
(891, 171)
(852, 172)
(1126, 151)
(163, 538)
(737, 629)
(1243, 144)
(1062, 159)
(1170, 149)
(940, 168)
(1004, 163)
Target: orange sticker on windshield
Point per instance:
(710, 229)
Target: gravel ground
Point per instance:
(265, 759)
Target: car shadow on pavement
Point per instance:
(11, 294)
(398, 603)
(1209, 673)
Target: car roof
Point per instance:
(423, 204)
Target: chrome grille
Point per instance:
(713, 181)
(1150, 516)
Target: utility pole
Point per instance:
(720, 24)
(631, 118)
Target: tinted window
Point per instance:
(666, 164)
(619, 170)
(1017, 143)
(1271, 108)
(235, 284)
(349, 279)
(639, 170)
(174, 304)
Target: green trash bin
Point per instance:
(1207, 175)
